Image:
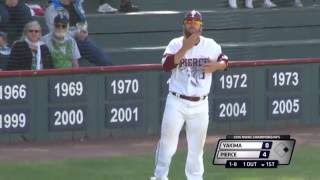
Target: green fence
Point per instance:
(129, 100)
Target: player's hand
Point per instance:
(211, 67)
(189, 42)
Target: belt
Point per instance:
(189, 98)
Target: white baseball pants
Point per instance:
(196, 116)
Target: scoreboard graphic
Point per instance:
(254, 151)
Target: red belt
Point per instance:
(189, 98)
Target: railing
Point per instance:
(149, 67)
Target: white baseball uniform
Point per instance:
(186, 79)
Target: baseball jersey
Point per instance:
(187, 78)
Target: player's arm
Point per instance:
(172, 60)
(219, 65)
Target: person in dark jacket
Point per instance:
(4, 50)
(19, 15)
(4, 17)
(29, 52)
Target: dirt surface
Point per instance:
(112, 147)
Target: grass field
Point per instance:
(304, 166)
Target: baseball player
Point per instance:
(191, 59)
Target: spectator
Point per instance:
(78, 29)
(19, 15)
(29, 52)
(36, 9)
(125, 6)
(266, 4)
(4, 17)
(63, 48)
(4, 50)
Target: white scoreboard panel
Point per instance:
(254, 151)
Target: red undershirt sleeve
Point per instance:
(223, 58)
(169, 64)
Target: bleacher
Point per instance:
(141, 37)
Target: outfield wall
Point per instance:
(98, 102)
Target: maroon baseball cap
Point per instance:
(193, 16)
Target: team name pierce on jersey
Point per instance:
(193, 62)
